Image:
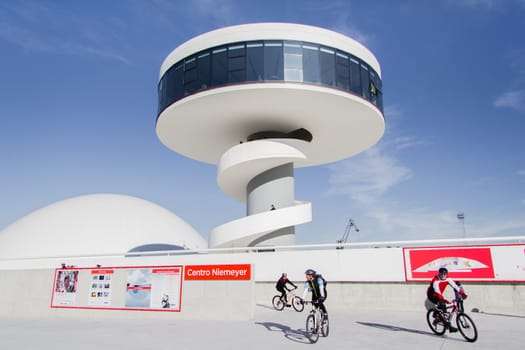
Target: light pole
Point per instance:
(461, 217)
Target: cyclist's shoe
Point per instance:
(288, 305)
(451, 328)
(437, 319)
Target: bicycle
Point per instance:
(438, 321)
(316, 323)
(291, 298)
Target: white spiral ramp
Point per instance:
(260, 174)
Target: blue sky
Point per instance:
(78, 107)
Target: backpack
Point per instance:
(321, 277)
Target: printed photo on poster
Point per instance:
(138, 288)
(66, 281)
(66, 285)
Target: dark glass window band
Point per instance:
(270, 61)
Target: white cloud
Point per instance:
(501, 227)
(34, 28)
(404, 142)
(340, 13)
(415, 223)
(222, 12)
(393, 111)
(511, 99)
(352, 32)
(477, 3)
(496, 5)
(366, 177)
(366, 181)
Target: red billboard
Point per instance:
(465, 263)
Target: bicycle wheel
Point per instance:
(311, 329)
(277, 303)
(297, 304)
(325, 325)
(435, 322)
(466, 327)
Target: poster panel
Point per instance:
(145, 288)
(100, 287)
(154, 288)
(500, 263)
(165, 289)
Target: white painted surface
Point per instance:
(242, 162)
(102, 223)
(206, 124)
(245, 230)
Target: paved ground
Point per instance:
(269, 330)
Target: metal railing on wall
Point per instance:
(36, 262)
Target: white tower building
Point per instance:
(259, 100)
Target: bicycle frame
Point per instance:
(289, 296)
(454, 310)
(316, 311)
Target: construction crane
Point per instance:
(351, 224)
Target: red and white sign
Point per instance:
(465, 263)
(238, 272)
(495, 263)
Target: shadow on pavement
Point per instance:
(396, 328)
(495, 314)
(295, 335)
(265, 306)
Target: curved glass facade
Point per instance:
(270, 61)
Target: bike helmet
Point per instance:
(284, 274)
(443, 270)
(309, 272)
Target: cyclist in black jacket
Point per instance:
(317, 285)
(281, 287)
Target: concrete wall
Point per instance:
(372, 278)
(508, 298)
(27, 293)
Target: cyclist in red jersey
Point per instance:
(436, 288)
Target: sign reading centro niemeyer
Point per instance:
(238, 272)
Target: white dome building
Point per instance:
(97, 224)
